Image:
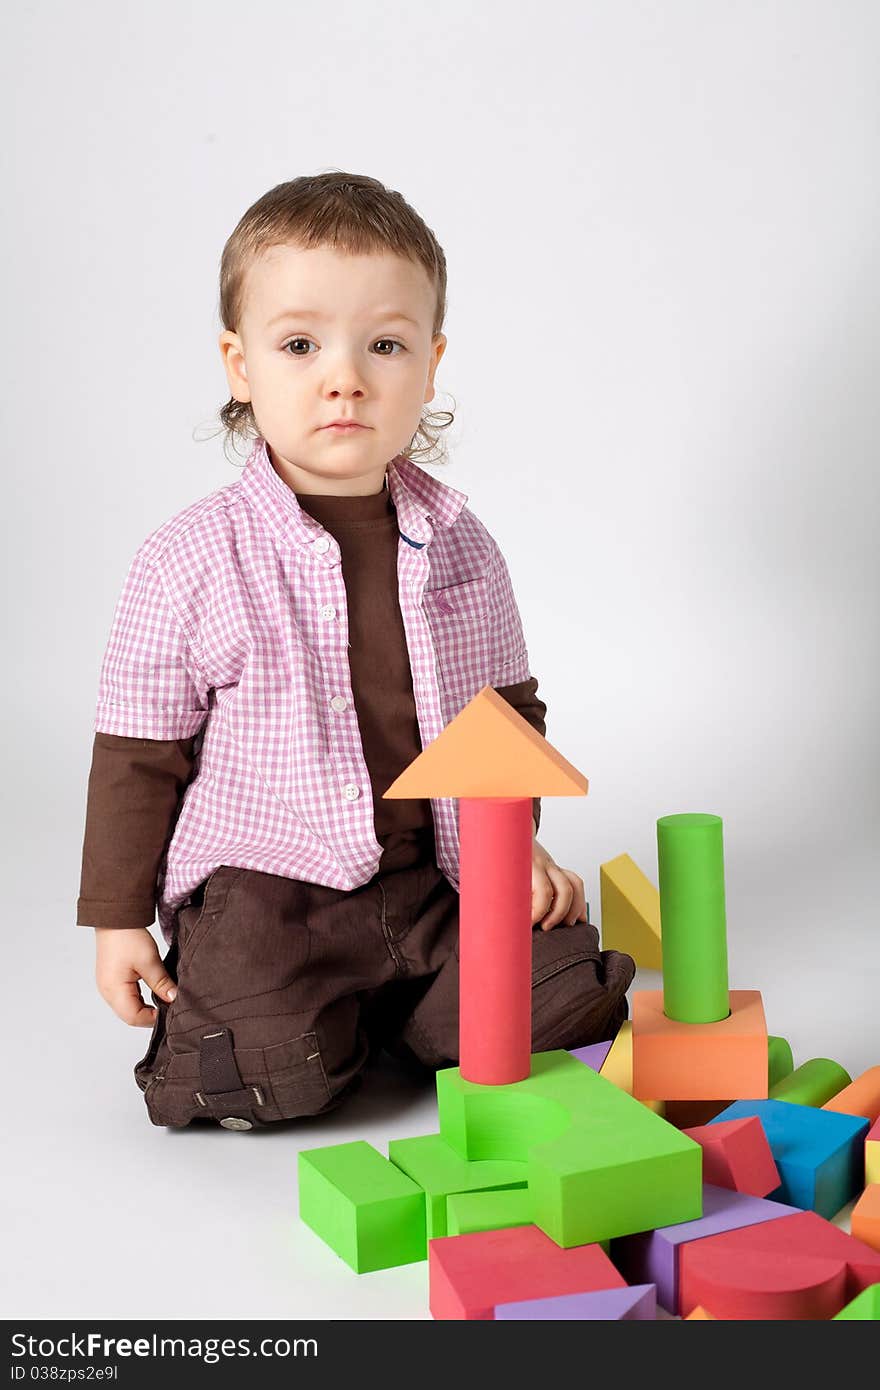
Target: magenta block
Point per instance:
(594, 1055)
(609, 1305)
(652, 1256)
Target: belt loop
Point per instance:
(217, 1068)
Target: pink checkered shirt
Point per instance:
(233, 619)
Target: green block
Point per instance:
(600, 1164)
(865, 1305)
(362, 1206)
(780, 1062)
(812, 1083)
(440, 1171)
(488, 1211)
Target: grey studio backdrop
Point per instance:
(663, 233)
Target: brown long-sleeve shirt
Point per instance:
(136, 785)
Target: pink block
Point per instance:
(468, 1275)
(495, 939)
(736, 1155)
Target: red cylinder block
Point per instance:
(495, 939)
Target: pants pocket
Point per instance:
(296, 1075)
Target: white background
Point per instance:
(661, 226)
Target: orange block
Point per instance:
(861, 1097)
(736, 1155)
(865, 1220)
(699, 1061)
(488, 749)
(699, 1313)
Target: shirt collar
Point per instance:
(419, 500)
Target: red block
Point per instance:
(796, 1267)
(736, 1155)
(495, 939)
(468, 1275)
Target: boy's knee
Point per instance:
(578, 991)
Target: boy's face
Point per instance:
(343, 352)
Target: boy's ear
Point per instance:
(232, 352)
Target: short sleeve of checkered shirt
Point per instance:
(151, 684)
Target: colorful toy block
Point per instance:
(736, 1155)
(654, 1256)
(599, 1163)
(686, 1114)
(439, 1171)
(617, 1066)
(610, 1305)
(489, 750)
(699, 1314)
(812, 1083)
(819, 1154)
(495, 938)
(872, 1153)
(798, 1267)
(488, 1211)
(594, 1054)
(865, 1219)
(865, 1306)
(698, 1061)
(779, 1060)
(362, 1206)
(470, 1275)
(630, 912)
(495, 763)
(690, 858)
(861, 1097)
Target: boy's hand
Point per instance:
(557, 894)
(126, 955)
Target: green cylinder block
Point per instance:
(780, 1062)
(690, 857)
(812, 1083)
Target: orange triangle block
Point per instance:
(488, 749)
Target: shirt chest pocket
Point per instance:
(463, 628)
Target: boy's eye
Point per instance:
(299, 339)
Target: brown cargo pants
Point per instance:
(286, 989)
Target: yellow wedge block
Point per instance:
(872, 1153)
(618, 1065)
(630, 912)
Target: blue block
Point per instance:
(820, 1154)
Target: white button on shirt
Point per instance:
(222, 626)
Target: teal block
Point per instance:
(362, 1206)
(600, 1164)
(441, 1172)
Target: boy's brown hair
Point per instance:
(354, 214)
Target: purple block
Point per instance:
(594, 1055)
(609, 1305)
(652, 1256)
